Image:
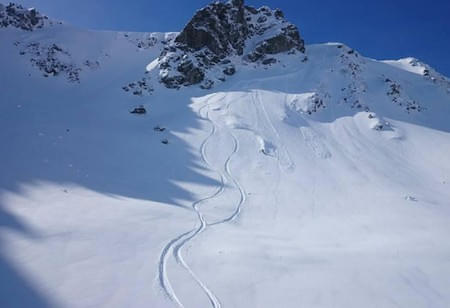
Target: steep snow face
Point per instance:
(319, 180)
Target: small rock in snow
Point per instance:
(410, 198)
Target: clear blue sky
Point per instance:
(381, 29)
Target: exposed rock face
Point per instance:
(14, 15)
(222, 31)
(220, 27)
(146, 42)
(53, 60)
(288, 39)
(398, 97)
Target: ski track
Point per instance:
(162, 270)
(177, 244)
(288, 164)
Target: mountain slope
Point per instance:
(320, 179)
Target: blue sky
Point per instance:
(382, 29)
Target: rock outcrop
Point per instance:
(14, 15)
(220, 34)
(53, 60)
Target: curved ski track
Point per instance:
(176, 245)
(287, 162)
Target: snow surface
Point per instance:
(261, 198)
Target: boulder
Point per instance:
(269, 61)
(229, 70)
(139, 110)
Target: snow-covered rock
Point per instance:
(306, 103)
(220, 34)
(15, 15)
(52, 60)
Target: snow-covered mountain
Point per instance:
(264, 172)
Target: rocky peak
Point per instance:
(218, 34)
(220, 27)
(237, 3)
(14, 15)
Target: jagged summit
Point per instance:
(221, 31)
(15, 15)
(220, 27)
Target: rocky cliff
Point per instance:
(219, 35)
(14, 15)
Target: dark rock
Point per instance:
(269, 61)
(230, 70)
(251, 9)
(164, 65)
(395, 92)
(237, 3)
(279, 14)
(173, 82)
(141, 87)
(194, 76)
(185, 67)
(208, 84)
(261, 19)
(255, 56)
(266, 11)
(159, 128)
(219, 26)
(146, 42)
(52, 60)
(139, 110)
(14, 15)
(378, 127)
(395, 89)
(220, 31)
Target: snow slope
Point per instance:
(317, 183)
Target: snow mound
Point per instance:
(305, 102)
